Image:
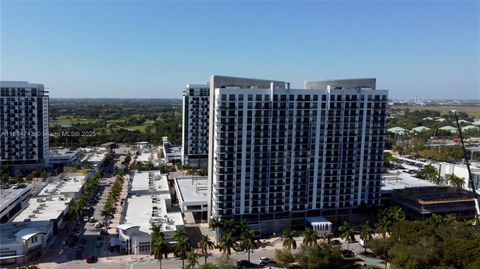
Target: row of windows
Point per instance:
(301, 97)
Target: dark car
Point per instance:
(347, 253)
(336, 242)
(92, 259)
(245, 263)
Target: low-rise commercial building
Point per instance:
(421, 202)
(32, 231)
(22, 241)
(13, 199)
(148, 203)
(63, 156)
(192, 195)
(172, 153)
(68, 184)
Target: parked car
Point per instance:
(85, 219)
(92, 219)
(98, 225)
(265, 260)
(347, 253)
(91, 259)
(245, 263)
(336, 242)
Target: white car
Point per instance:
(98, 225)
(85, 218)
(265, 260)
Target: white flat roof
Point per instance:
(43, 208)
(67, 183)
(140, 181)
(58, 152)
(141, 210)
(318, 220)
(404, 180)
(192, 189)
(9, 195)
(145, 157)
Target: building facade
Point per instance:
(280, 155)
(24, 125)
(195, 125)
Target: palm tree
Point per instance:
(289, 240)
(455, 181)
(435, 220)
(309, 237)
(228, 225)
(181, 249)
(383, 227)
(191, 260)
(226, 243)
(155, 232)
(216, 224)
(347, 232)
(366, 233)
(429, 173)
(247, 241)
(242, 226)
(396, 213)
(451, 219)
(159, 248)
(75, 212)
(205, 244)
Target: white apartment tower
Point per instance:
(24, 125)
(279, 155)
(195, 125)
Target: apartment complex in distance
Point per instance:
(23, 124)
(195, 125)
(280, 156)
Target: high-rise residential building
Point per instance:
(24, 125)
(279, 156)
(195, 125)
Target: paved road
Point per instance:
(125, 262)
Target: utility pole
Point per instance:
(470, 179)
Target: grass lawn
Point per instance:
(140, 128)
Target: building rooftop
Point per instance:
(342, 83)
(63, 184)
(143, 210)
(151, 181)
(10, 194)
(43, 208)
(10, 231)
(144, 157)
(393, 181)
(192, 189)
(63, 151)
(435, 195)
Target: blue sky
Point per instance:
(153, 48)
